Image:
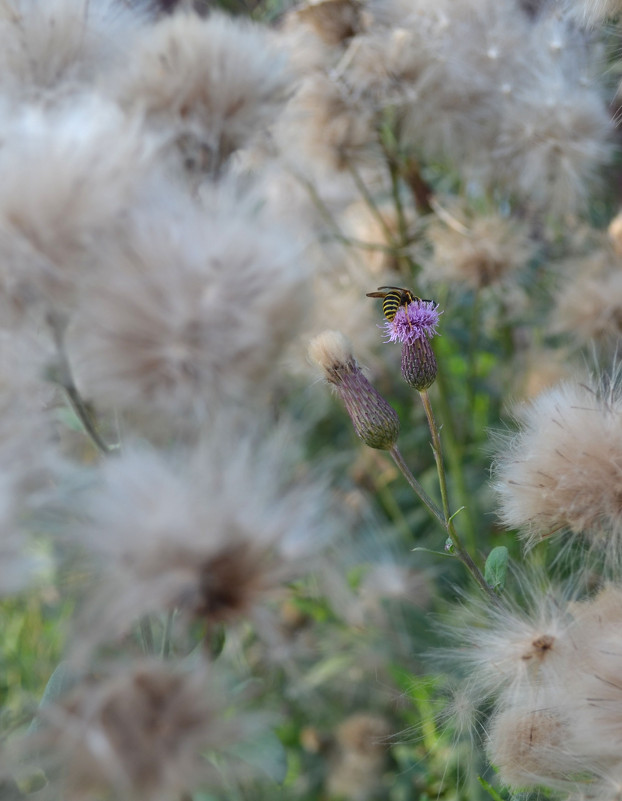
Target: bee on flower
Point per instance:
(413, 322)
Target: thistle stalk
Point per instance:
(414, 325)
(456, 542)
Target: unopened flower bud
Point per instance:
(374, 420)
(419, 367)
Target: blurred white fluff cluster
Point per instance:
(550, 663)
(551, 671)
(560, 472)
(510, 99)
(148, 296)
(170, 187)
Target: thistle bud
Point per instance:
(419, 365)
(414, 325)
(374, 420)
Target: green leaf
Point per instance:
(488, 787)
(497, 567)
(430, 550)
(69, 418)
(61, 680)
(266, 753)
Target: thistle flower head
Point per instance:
(413, 323)
(374, 420)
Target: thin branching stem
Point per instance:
(168, 632)
(64, 377)
(448, 522)
(474, 334)
(358, 243)
(84, 415)
(337, 234)
(436, 449)
(146, 635)
(371, 203)
(416, 486)
(454, 450)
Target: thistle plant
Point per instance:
(210, 586)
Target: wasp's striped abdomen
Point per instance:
(391, 303)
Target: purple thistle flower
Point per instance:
(413, 323)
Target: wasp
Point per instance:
(391, 301)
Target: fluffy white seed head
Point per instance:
(134, 731)
(529, 747)
(211, 531)
(477, 250)
(588, 305)
(209, 84)
(330, 350)
(361, 757)
(595, 11)
(554, 138)
(66, 178)
(327, 125)
(567, 731)
(511, 648)
(57, 47)
(188, 309)
(562, 470)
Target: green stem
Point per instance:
(399, 208)
(168, 630)
(421, 191)
(397, 199)
(358, 243)
(83, 414)
(459, 548)
(416, 486)
(336, 231)
(64, 377)
(436, 449)
(474, 333)
(367, 197)
(146, 635)
(454, 454)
